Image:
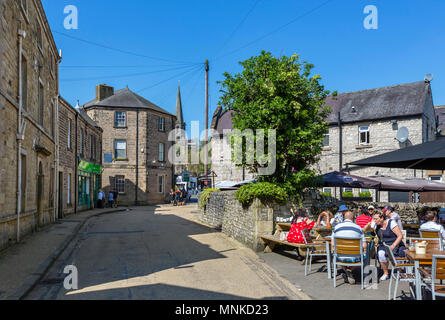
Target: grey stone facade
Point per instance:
(382, 138)
(141, 167)
(40, 91)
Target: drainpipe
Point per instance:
(21, 128)
(137, 159)
(56, 145)
(76, 177)
(340, 145)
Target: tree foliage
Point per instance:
(281, 94)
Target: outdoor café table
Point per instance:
(424, 260)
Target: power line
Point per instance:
(123, 75)
(163, 95)
(275, 30)
(194, 68)
(239, 25)
(123, 51)
(115, 67)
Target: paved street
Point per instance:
(160, 253)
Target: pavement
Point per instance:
(161, 253)
(22, 265)
(157, 253)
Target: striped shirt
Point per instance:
(348, 229)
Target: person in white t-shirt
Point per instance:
(432, 225)
(390, 214)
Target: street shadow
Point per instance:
(159, 292)
(121, 253)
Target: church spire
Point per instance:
(178, 113)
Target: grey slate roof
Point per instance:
(125, 98)
(373, 104)
(381, 103)
(222, 119)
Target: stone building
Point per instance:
(370, 121)
(221, 160)
(80, 160)
(135, 145)
(28, 99)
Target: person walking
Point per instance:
(100, 199)
(110, 199)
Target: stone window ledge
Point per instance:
(365, 146)
(326, 149)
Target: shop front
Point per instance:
(89, 184)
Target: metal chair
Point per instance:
(348, 252)
(438, 273)
(401, 271)
(315, 248)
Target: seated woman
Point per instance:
(300, 223)
(388, 232)
(325, 219)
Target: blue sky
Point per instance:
(409, 43)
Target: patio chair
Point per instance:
(437, 273)
(401, 270)
(314, 249)
(430, 234)
(348, 252)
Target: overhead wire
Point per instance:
(123, 51)
(275, 30)
(239, 25)
(123, 75)
(190, 69)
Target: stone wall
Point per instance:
(38, 147)
(246, 225)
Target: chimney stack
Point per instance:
(103, 91)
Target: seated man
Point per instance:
(339, 218)
(348, 229)
(432, 225)
(365, 218)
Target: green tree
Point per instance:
(281, 94)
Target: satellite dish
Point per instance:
(429, 77)
(402, 134)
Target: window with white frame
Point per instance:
(120, 119)
(68, 188)
(161, 124)
(120, 184)
(120, 149)
(24, 5)
(435, 178)
(161, 152)
(327, 191)
(161, 184)
(363, 135)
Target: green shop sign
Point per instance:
(90, 167)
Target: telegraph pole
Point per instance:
(206, 153)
